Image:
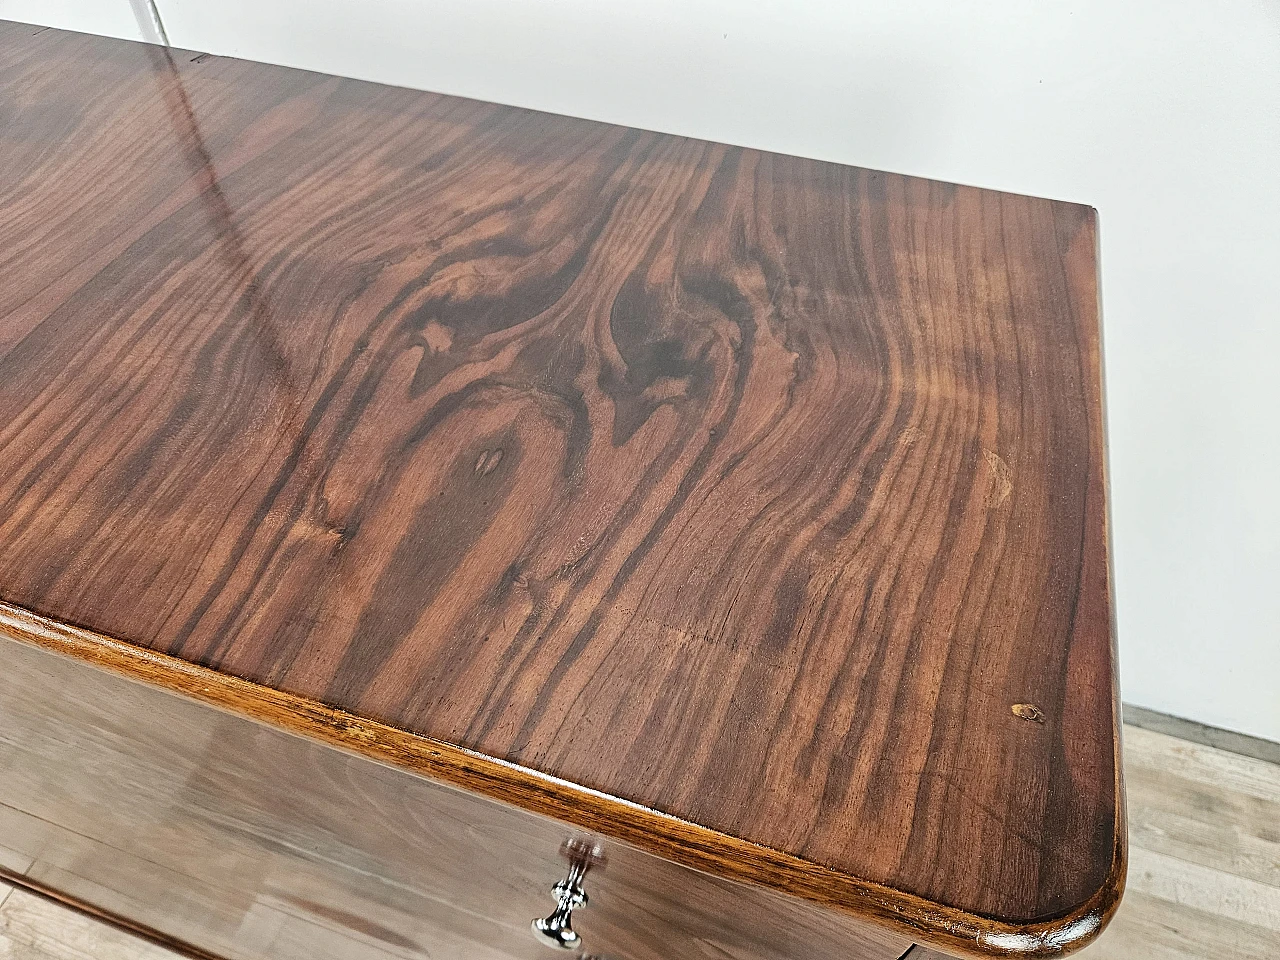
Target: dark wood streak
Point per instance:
(749, 489)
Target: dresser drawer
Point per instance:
(250, 842)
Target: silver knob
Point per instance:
(557, 930)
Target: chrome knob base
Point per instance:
(556, 930)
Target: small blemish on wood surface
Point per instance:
(1001, 477)
(488, 461)
(439, 338)
(1028, 711)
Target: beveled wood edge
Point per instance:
(657, 833)
(131, 927)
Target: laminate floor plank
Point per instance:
(1157, 792)
(33, 928)
(1202, 888)
(1195, 764)
(1151, 928)
(1204, 855)
(1222, 846)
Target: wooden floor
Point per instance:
(1204, 873)
(1204, 855)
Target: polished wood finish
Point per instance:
(738, 506)
(243, 840)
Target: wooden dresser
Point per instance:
(422, 517)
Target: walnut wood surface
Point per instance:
(754, 490)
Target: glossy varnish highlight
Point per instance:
(756, 490)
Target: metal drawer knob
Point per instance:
(557, 930)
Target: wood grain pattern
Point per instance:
(253, 844)
(752, 490)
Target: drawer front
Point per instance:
(249, 842)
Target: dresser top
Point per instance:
(748, 508)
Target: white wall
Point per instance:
(1164, 114)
